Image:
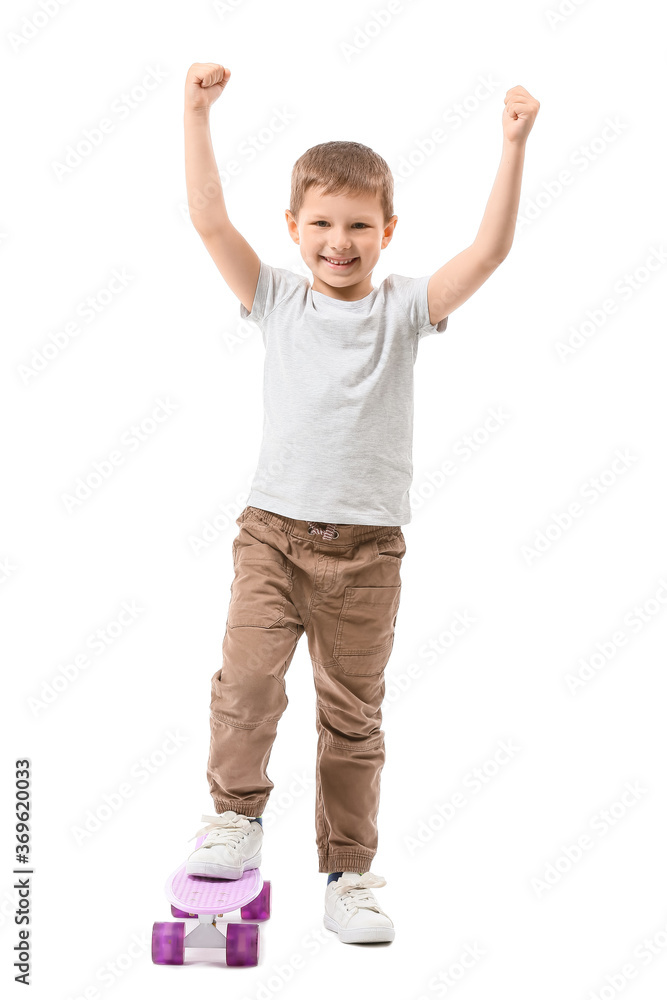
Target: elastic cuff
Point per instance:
(251, 807)
(345, 862)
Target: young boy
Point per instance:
(320, 545)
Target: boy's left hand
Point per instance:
(519, 114)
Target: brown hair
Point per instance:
(342, 167)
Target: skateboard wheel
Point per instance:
(258, 908)
(175, 912)
(242, 947)
(167, 946)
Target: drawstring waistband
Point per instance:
(327, 533)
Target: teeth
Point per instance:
(332, 260)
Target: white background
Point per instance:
(173, 332)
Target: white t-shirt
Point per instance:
(338, 398)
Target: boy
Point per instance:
(320, 544)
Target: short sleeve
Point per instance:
(273, 285)
(413, 295)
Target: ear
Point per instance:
(292, 226)
(389, 231)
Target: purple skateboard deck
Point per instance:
(201, 894)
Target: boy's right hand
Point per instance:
(204, 84)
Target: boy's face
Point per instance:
(341, 226)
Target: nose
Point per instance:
(338, 247)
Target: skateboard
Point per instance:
(208, 899)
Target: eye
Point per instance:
(363, 224)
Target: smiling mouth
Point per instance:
(339, 261)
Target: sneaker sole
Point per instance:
(358, 935)
(221, 871)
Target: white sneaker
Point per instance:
(232, 846)
(352, 910)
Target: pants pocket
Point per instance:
(391, 547)
(262, 579)
(365, 632)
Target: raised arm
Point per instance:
(233, 256)
(460, 277)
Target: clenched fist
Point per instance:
(204, 84)
(519, 114)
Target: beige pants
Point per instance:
(344, 594)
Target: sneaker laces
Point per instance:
(227, 828)
(359, 888)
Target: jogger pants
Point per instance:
(342, 588)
